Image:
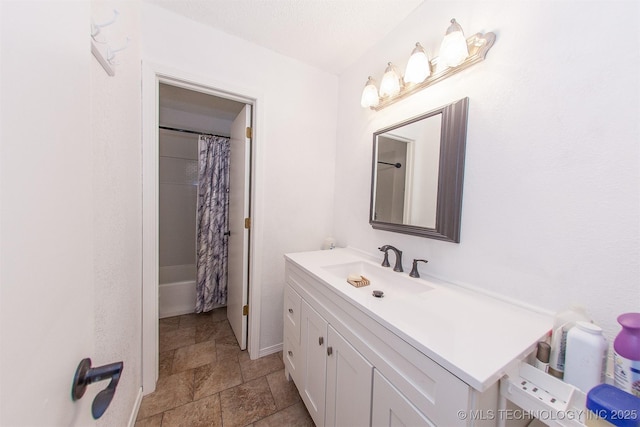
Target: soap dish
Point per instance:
(359, 283)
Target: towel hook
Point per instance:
(95, 28)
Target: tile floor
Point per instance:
(206, 380)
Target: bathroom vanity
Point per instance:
(428, 353)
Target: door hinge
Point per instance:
(247, 223)
(249, 132)
(245, 310)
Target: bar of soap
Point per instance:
(354, 277)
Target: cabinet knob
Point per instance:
(290, 353)
(329, 351)
(320, 340)
(291, 310)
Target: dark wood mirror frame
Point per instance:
(453, 138)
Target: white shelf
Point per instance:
(547, 398)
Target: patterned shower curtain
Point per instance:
(212, 222)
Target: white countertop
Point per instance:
(472, 335)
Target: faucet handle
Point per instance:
(385, 261)
(414, 269)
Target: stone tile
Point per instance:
(219, 314)
(165, 363)
(171, 391)
(205, 412)
(247, 403)
(194, 355)
(260, 367)
(169, 324)
(227, 348)
(295, 415)
(284, 392)
(195, 319)
(171, 340)
(215, 377)
(213, 330)
(155, 421)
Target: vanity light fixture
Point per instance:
(453, 50)
(391, 82)
(370, 94)
(456, 54)
(418, 67)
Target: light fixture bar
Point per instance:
(478, 44)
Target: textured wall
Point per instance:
(293, 195)
(552, 188)
(117, 222)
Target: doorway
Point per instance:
(176, 102)
(183, 116)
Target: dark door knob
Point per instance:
(86, 375)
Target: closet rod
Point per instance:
(191, 131)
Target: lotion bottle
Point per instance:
(564, 321)
(626, 354)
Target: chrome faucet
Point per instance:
(385, 262)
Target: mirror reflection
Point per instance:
(406, 186)
(417, 174)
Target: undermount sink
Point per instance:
(393, 284)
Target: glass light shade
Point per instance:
(370, 94)
(453, 50)
(390, 84)
(418, 67)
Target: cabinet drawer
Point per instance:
(292, 314)
(291, 356)
(390, 407)
(437, 393)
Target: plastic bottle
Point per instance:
(626, 354)
(564, 321)
(586, 356)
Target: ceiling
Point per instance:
(189, 101)
(328, 34)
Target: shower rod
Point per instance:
(396, 165)
(191, 131)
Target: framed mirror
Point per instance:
(418, 172)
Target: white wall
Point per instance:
(117, 200)
(177, 199)
(297, 105)
(552, 187)
(203, 122)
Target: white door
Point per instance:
(238, 264)
(47, 293)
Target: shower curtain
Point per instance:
(212, 222)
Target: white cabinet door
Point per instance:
(313, 366)
(348, 399)
(391, 409)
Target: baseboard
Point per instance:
(177, 312)
(270, 350)
(136, 408)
